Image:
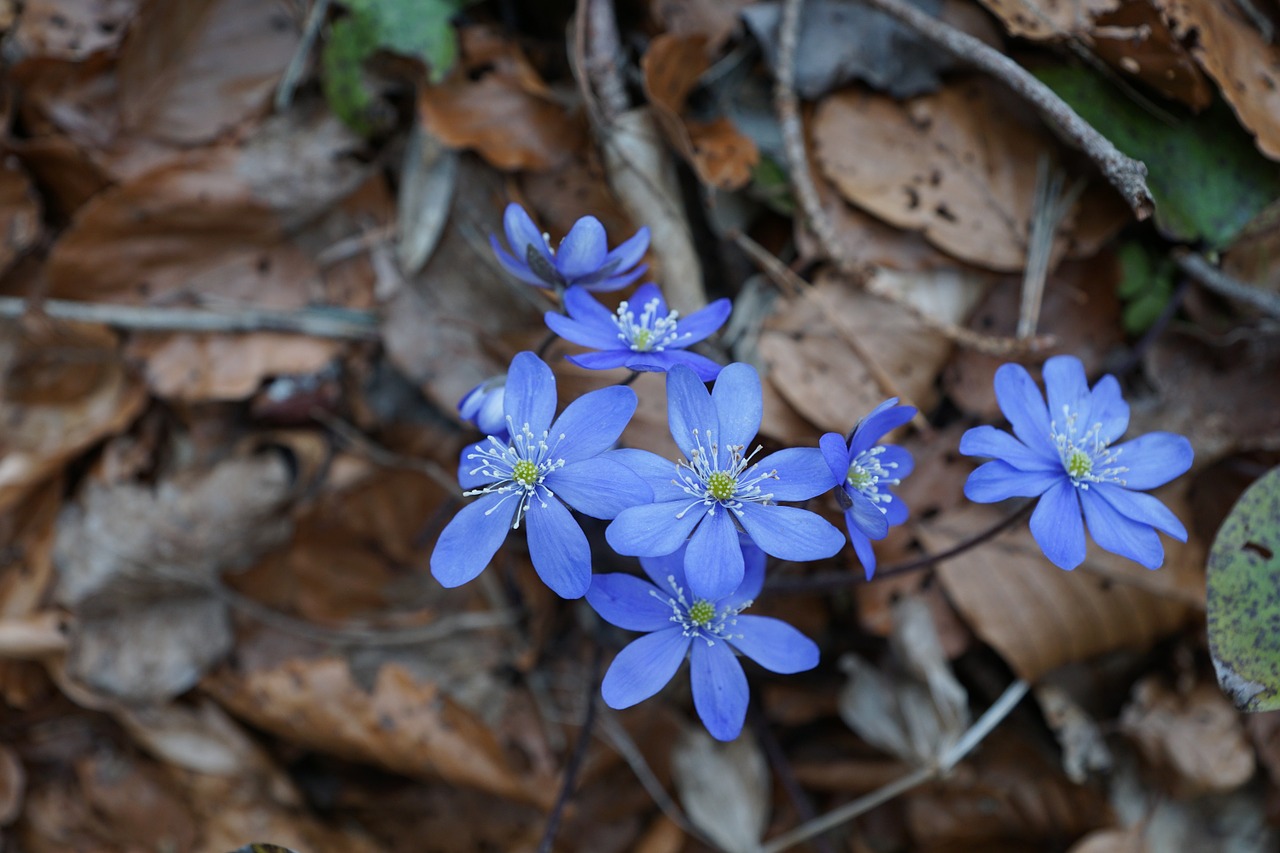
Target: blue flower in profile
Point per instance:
(482, 406)
(536, 475)
(653, 340)
(864, 470)
(1064, 455)
(717, 487)
(679, 624)
(583, 258)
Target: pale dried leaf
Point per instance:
(1084, 750)
(70, 29)
(13, 785)
(1111, 841)
(427, 182)
(724, 788)
(714, 20)
(1048, 19)
(200, 738)
(915, 644)
(20, 212)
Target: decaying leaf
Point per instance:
(714, 20)
(724, 788)
(1045, 19)
(70, 29)
(20, 212)
(1084, 750)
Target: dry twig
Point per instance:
(1199, 268)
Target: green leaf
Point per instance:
(1244, 598)
(1146, 284)
(1207, 177)
(351, 40)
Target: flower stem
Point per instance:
(579, 754)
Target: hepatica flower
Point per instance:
(641, 335)
(709, 631)
(1064, 455)
(482, 406)
(864, 471)
(719, 486)
(583, 258)
(535, 475)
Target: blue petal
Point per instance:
(1057, 526)
(591, 424)
(882, 419)
(581, 332)
(643, 668)
(836, 453)
(702, 324)
(663, 362)
(558, 548)
(789, 533)
(600, 283)
(1120, 535)
(599, 487)
(465, 466)
(530, 396)
(630, 602)
(897, 461)
(713, 561)
(866, 516)
(895, 511)
(1142, 508)
(774, 644)
(1068, 390)
(719, 688)
(1109, 409)
(523, 233)
(739, 407)
(663, 570)
(752, 576)
(689, 408)
(603, 360)
(1023, 406)
(996, 481)
(998, 444)
(802, 473)
(652, 530)
(645, 294)
(629, 252)
(470, 539)
(515, 267)
(1153, 459)
(586, 309)
(861, 546)
(582, 250)
(659, 473)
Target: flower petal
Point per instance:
(630, 602)
(883, 418)
(591, 424)
(1057, 526)
(1142, 508)
(996, 481)
(558, 548)
(998, 444)
(586, 309)
(719, 688)
(629, 252)
(470, 539)
(895, 510)
(644, 294)
(713, 561)
(666, 569)
(653, 530)
(774, 644)
(1024, 407)
(1120, 535)
(603, 360)
(897, 461)
(1068, 391)
(689, 408)
(662, 362)
(861, 546)
(657, 472)
(602, 283)
(1109, 409)
(643, 668)
(866, 516)
(703, 323)
(599, 487)
(802, 473)
(739, 407)
(582, 250)
(515, 267)
(1153, 459)
(790, 533)
(522, 233)
(753, 560)
(530, 396)
(583, 332)
(836, 452)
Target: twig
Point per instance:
(1198, 267)
(339, 323)
(579, 754)
(616, 736)
(381, 456)
(1000, 709)
(838, 580)
(1127, 175)
(782, 769)
(298, 62)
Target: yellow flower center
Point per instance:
(525, 473)
(1079, 464)
(702, 612)
(721, 486)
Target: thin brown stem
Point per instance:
(579, 754)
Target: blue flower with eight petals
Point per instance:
(653, 340)
(717, 484)
(864, 471)
(679, 623)
(534, 474)
(583, 258)
(1063, 454)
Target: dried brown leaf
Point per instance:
(1137, 39)
(1111, 841)
(1048, 19)
(20, 213)
(714, 20)
(724, 788)
(13, 785)
(71, 29)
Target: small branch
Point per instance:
(339, 323)
(782, 769)
(838, 580)
(578, 757)
(1127, 175)
(1199, 268)
(968, 741)
(298, 62)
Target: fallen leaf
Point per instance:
(714, 20)
(1046, 19)
(1111, 841)
(20, 213)
(71, 29)
(1084, 749)
(1136, 38)
(724, 788)
(13, 785)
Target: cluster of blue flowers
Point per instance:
(702, 525)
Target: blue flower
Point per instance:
(1063, 454)
(864, 471)
(654, 340)
(717, 484)
(678, 623)
(583, 258)
(482, 406)
(534, 474)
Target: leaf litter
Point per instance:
(216, 620)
